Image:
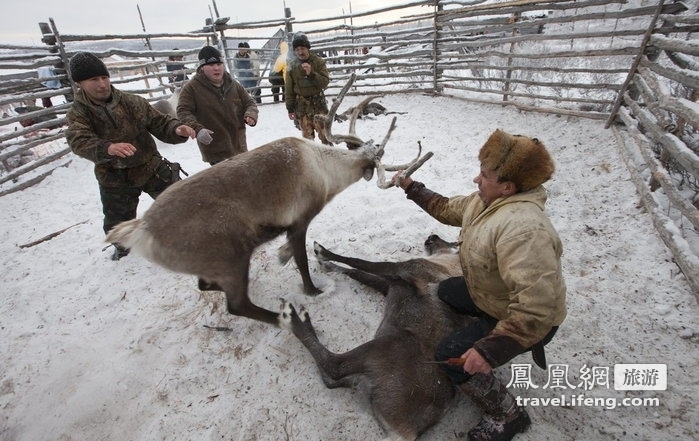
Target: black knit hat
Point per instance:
(209, 55)
(301, 40)
(244, 44)
(85, 65)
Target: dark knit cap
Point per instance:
(209, 55)
(85, 65)
(300, 40)
(244, 44)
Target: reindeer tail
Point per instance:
(132, 234)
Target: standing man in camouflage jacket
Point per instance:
(305, 80)
(115, 130)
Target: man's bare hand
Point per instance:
(307, 69)
(400, 181)
(187, 131)
(475, 363)
(121, 149)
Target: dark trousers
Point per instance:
(119, 204)
(454, 292)
(277, 81)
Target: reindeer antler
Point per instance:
(408, 169)
(354, 141)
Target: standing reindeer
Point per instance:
(409, 392)
(209, 224)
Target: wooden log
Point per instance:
(687, 262)
(658, 172)
(673, 145)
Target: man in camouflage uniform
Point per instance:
(115, 130)
(305, 80)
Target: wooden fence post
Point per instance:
(64, 58)
(150, 47)
(50, 37)
(634, 66)
(436, 70)
(508, 75)
(287, 23)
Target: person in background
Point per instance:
(247, 69)
(115, 130)
(51, 82)
(217, 107)
(304, 83)
(276, 76)
(512, 285)
(177, 67)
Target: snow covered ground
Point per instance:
(92, 349)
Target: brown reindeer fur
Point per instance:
(408, 393)
(210, 223)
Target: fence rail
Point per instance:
(628, 63)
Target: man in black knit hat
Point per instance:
(217, 107)
(115, 130)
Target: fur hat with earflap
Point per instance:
(300, 40)
(84, 65)
(519, 159)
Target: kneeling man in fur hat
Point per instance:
(512, 285)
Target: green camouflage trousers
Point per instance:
(119, 204)
(310, 112)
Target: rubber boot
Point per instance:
(119, 252)
(502, 419)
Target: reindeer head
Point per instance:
(376, 151)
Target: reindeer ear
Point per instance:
(368, 173)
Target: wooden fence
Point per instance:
(632, 63)
(659, 140)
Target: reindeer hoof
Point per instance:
(312, 291)
(319, 251)
(288, 315)
(287, 310)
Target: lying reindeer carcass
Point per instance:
(209, 224)
(409, 392)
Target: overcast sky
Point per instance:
(19, 19)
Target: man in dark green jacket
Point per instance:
(115, 130)
(305, 80)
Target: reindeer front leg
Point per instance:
(297, 241)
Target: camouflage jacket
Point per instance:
(511, 259)
(304, 94)
(126, 118)
(219, 109)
